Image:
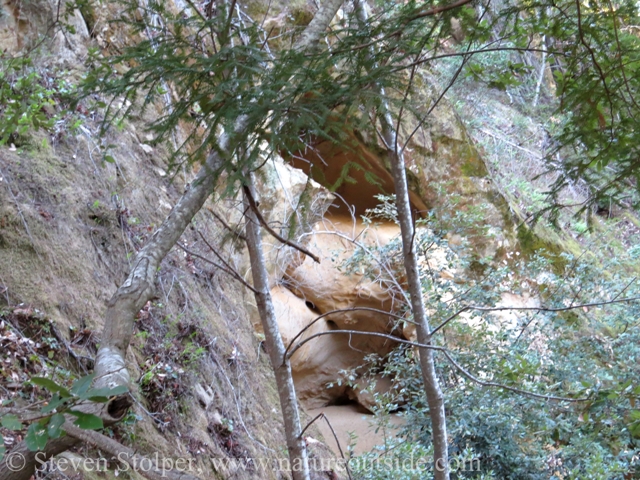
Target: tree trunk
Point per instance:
(110, 367)
(275, 345)
(435, 399)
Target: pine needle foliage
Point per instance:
(217, 68)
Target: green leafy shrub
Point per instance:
(63, 401)
(584, 344)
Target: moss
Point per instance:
(300, 15)
(472, 166)
(551, 245)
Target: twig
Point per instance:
(237, 403)
(440, 9)
(371, 334)
(475, 379)
(346, 464)
(73, 354)
(264, 223)
(446, 353)
(231, 272)
(536, 309)
(341, 310)
(225, 263)
(226, 225)
(536, 155)
(371, 254)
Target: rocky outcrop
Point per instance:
(448, 179)
(309, 290)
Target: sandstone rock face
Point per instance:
(291, 203)
(448, 178)
(310, 290)
(24, 23)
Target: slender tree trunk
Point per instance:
(319, 24)
(134, 293)
(275, 345)
(543, 67)
(435, 398)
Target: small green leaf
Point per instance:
(50, 385)
(36, 438)
(109, 159)
(2, 449)
(54, 403)
(81, 385)
(11, 422)
(87, 421)
(55, 423)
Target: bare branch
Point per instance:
(371, 254)
(535, 309)
(334, 436)
(341, 310)
(226, 225)
(443, 8)
(506, 387)
(371, 334)
(225, 269)
(449, 357)
(254, 207)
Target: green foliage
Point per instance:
(598, 91)
(582, 352)
(32, 98)
(23, 100)
(221, 71)
(63, 401)
(223, 77)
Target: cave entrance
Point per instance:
(356, 172)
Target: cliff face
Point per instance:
(448, 178)
(70, 222)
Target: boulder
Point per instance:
(310, 290)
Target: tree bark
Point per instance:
(122, 309)
(275, 345)
(318, 25)
(435, 398)
(133, 294)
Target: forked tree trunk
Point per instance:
(110, 367)
(435, 398)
